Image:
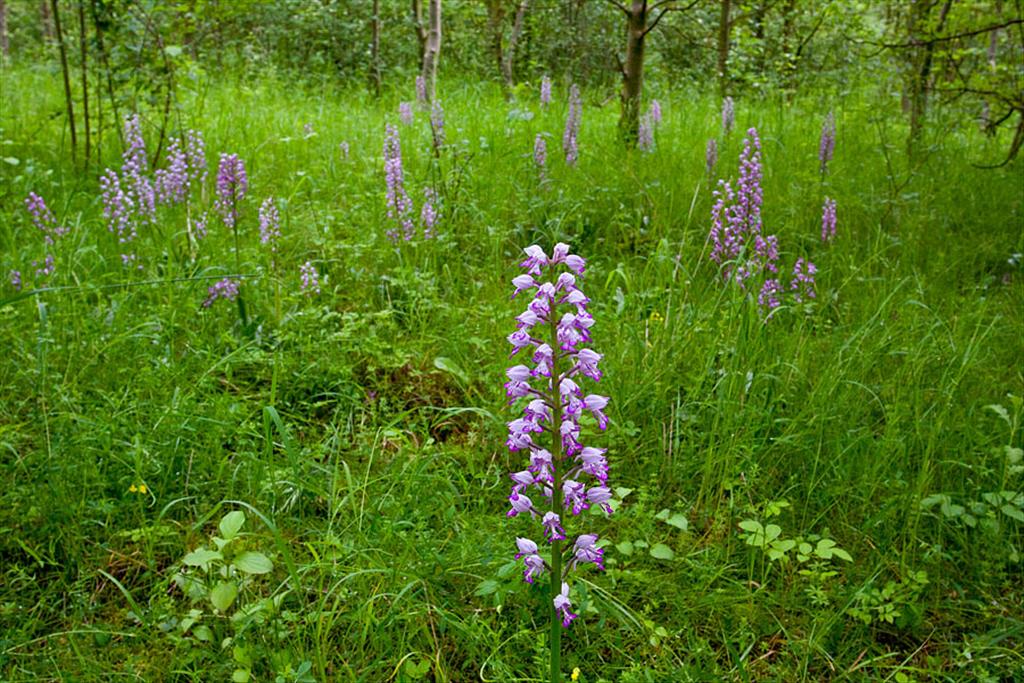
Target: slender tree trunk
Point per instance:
(47, 20)
(5, 48)
(920, 84)
(788, 31)
(85, 76)
(94, 7)
(67, 77)
(375, 75)
(432, 51)
(633, 71)
(724, 28)
(513, 42)
(495, 19)
(421, 31)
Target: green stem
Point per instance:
(238, 259)
(556, 546)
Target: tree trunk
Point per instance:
(921, 74)
(94, 11)
(513, 41)
(4, 47)
(432, 50)
(633, 71)
(67, 77)
(375, 75)
(421, 31)
(495, 19)
(724, 28)
(85, 76)
(47, 20)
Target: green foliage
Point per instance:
(326, 493)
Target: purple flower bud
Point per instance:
(343, 148)
(222, 289)
(828, 220)
(645, 135)
(827, 144)
(570, 144)
(310, 279)
(553, 527)
(768, 299)
(405, 113)
(232, 185)
(655, 113)
(421, 90)
(802, 284)
(400, 208)
(728, 116)
(428, 214)
(540, 153)
(15, 278)
(437, 124)
(585, 551)
(270, 224)
(545, 92)
(562, 605)
(711, 156)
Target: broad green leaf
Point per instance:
(202, 557)
(678, 520)
(13, 161)
(231, 524)
(1013, 511)
(203, 633)
(753, 526)
(625, 547)
(842, 554)
(486, 587)
(1001, 412)
(772, 532)
(252, 562)
(240, 676)
(660, 551)
(621, 492)
(223, 594)
(173, 50)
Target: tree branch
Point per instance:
(666, 11)
(957, 36)
(620, 6)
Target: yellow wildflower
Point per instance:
(576, 674)
(142, 488)
(132, 489)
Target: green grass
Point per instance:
(362, 432)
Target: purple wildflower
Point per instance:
(199, 227)
(645, 134)
(728, 116)
(655, 113)
(827, 145)
(421, 90)
(118, 208)
(405, 114)
(556, 318)
(428, 214)
(270, 224)
(133, 171)
(711, 156)
(570, 144)
(540, 153)
(232, 185)
(222, 289)
(43, 218)
(310, 279)
(46, 268)
(15, 278)
(172, 182)
(307, 130)
(802, 284)
(562, 605)
(545, 92)
(437, 124)
(768, 298)
(828, 220)
(736, 240)
(343, 147)
(399, 205)
(195, 153)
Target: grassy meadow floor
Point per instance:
(361, 431)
